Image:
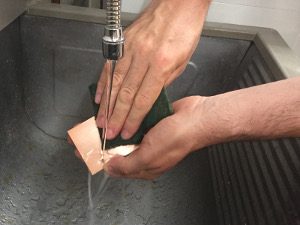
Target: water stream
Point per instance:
(98, 182)
(110, 66)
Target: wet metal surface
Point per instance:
(41, 180)
(46, 66)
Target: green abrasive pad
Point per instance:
(161, 109)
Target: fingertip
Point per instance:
(125, 134)
(100, 121)
(76, 152)
(98, 98)
(129, 129)
(69, 140)
(110, 134)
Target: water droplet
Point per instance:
(42, 219)
(105, 206)
(128, 193)
(13, 205)
(35, 198)
(62, 211)
(61, 187)
(137, 196)
(61, 202)
(42, 205)
(47, 191)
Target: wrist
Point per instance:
(191, 14)
(216, 123)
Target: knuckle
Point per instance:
(163, 61)
(125, 171)
(131, 123)
(117, 121)
(142, 101)
(126, 95)
(100, 85)
(119, 73)
(145, 46)
(117, 80)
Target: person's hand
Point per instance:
(158, 46)
(262, 112)
(165, 144)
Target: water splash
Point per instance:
(96, 186)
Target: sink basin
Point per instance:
(49, 57)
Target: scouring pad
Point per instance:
(161, 109)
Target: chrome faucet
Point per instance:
(113, 40)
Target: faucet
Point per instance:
(113, 50)
(113, 40)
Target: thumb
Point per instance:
(120, 166)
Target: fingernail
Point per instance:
(109, 133)
(125, 134)
(100, 121)
(98, 98)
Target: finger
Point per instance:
(76, 152)
(131, 164)
(126, 96)
(70, 140)
(143, 101)
(120, 72)
(101, 84)
(115, 168)
(138, 164)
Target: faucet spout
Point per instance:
(113, 40)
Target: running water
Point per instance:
(96, 186)
(98, 182)
(111, 64)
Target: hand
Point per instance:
(158, 46)
(197, 122)
(164, 145)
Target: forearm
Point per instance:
(193, 8)
(262, 112)
(187, 15)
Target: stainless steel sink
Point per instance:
(50, 55)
